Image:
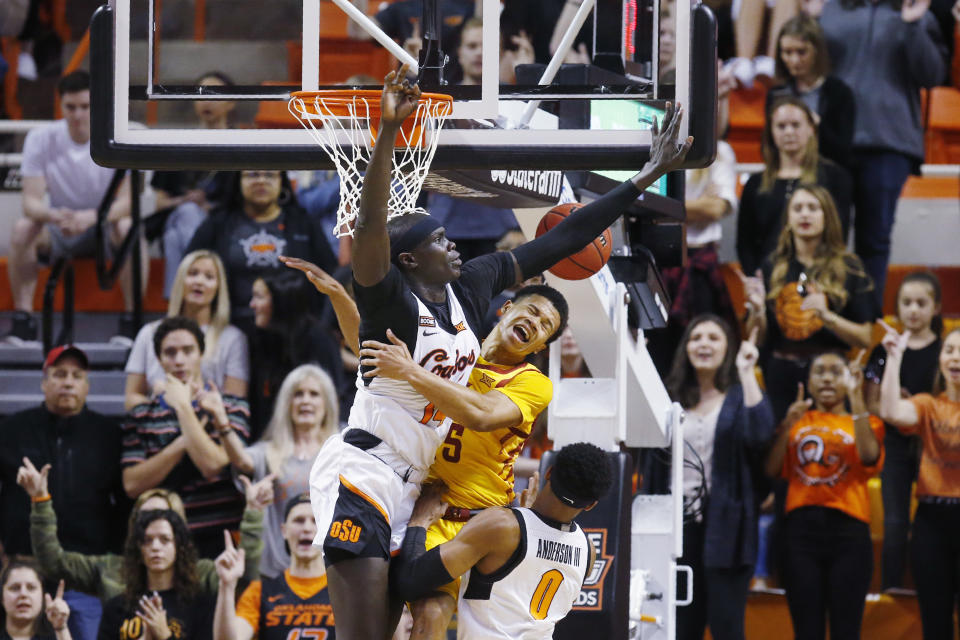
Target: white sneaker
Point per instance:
(742, 69)
(26, 66)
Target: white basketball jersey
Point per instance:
(535, 589)
(395, 412)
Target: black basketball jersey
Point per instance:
(286, 616)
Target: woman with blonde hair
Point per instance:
(200, 293)
(791, 156)
(305, 414)
(814, 295)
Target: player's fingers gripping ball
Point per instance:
(585, 262)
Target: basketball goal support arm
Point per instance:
(378, 34)
(558, 56)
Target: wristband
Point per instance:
(860, 416)
(225, 431)
(44, 498)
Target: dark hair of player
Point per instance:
(581, 474)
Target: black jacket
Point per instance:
(737, 484)
(85, 479)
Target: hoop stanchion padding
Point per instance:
(345, 123)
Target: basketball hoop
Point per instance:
(345, 121)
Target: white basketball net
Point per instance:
(411, 161)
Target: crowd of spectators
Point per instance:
(231, 395)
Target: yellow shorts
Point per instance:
(439, 532)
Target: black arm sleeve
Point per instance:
(575, 232)
(414, 573)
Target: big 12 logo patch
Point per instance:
(591, 595)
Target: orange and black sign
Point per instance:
(591, 594)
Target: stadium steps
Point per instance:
(21, 376)
(21, 390)
(21, 363)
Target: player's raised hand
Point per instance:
(230, 563)
(666, 153)
(529, 495)
(430, 506)
(388, 360)
(320, 279)
(399, 98)
(33, 482)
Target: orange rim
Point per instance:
(338, 102)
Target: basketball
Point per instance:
(585, 262)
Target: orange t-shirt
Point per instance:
(248, 607)
(939, 429)
(822, 465)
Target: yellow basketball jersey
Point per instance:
(478, 466)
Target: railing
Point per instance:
(926, 170)
(106, 275)
(62, 269)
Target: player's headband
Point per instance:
(566, 496)
(414, 236)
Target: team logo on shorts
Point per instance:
(345, 531)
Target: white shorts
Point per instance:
(341, 464)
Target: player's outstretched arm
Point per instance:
(493, 535)
(474, 410)
(371, 245)
(348, 316)
(586, 223)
